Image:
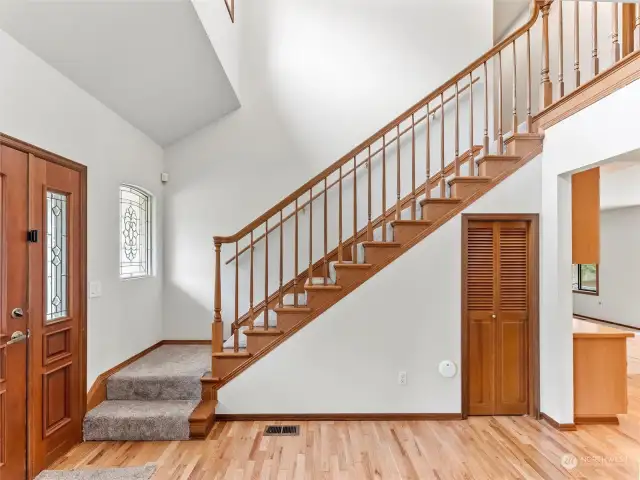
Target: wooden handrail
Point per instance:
(348, 172)
(387, 128)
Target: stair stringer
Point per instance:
(377, 267)
(406, 318)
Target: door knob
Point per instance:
(493, 315)
(17, 313)
(17, 337)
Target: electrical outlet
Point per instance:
(402, 378)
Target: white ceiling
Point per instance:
(148, 60)
(505, 13)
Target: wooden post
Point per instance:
(216, 332)
(546, 87)
(614, 33)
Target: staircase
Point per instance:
(332, 234)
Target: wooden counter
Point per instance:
(599, 372)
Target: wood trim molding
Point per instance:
(186, 342)
(603, 420)
(534, 320)
(377, 267)
(562, 427)
(609, 322)
(342, 417)
(620, 75)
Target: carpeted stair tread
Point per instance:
(171, 372)
(134, 420)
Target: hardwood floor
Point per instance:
(480, 448)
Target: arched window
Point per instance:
(135, 232)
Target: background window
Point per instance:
(135, 232)
(585, 278)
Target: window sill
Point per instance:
(138, 277)
(586, 292)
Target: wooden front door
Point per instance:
(14, 313)
(498, 286)
(42, 308)
(55, 292)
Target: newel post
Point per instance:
(546, 88)
(216, 327)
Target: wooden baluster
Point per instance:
(251, 311)
(615, 37)
(398, 207)
(295, 260)
(237, 310)
(456, 153)
(369, 225)
(628, 27)
(413, 167)
(384, 188)
(560, 51)
(529, 117)
(340, 248)
(472, 160)
(325, 262)
(266, 274)
(595, 62)
(515, 95)
(355, 209)
(576, 43)
(310, 273)
(546, 87)
(485, 134)
(216, 336)
(500, 112)
(427, 183)
(637, 25)
(280, 294)
(443, 192)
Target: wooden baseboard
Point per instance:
(609, 322)
(98, 391)
(563, 427)
(602, 420)
(339, 417)
(186, 342)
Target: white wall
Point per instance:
(602, 132)
(619, 266)
(40, 106)
(406, 318)
(315, 79)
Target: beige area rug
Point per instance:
(128, 473)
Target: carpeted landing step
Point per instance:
(127, 420)
(153, 398)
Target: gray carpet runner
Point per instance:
(153, 398)
(126, 473)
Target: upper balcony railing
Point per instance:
(355, 198)
(231, 8)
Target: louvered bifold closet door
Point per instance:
(481, 298)
(512, 318)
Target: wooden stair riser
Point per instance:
(521, 144)
(463, 190)
(404, 233)
(433, 211)
(288, 320)
(317, 297)
(493, 168)
(376, 254)
(257, 341)
(346, 276)
(225, 365)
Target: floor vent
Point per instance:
(282, 430)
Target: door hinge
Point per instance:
(32, 236)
